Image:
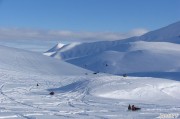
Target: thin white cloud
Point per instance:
(67, 36)
(138, 32)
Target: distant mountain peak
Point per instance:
(60, 45)
(55, 49)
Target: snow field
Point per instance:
(86, 96)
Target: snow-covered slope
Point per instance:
(169, 33)
(20, 60)
(141, 57)
(156, 51)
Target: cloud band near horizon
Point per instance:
(65, 36)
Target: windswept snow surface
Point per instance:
(79, 93)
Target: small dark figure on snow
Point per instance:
(129, 107)
(96, 72)
(37, 84)
(135, 108)
(124, 75)
(51, 93)
(106, 65)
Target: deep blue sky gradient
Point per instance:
(89, 15)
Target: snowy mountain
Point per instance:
(156, 51)
(54, 49)
(169, 33)
(27, 78)
(141, 57)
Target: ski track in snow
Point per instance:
(21, 98)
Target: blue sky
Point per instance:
(83, 20)
(89, 15)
